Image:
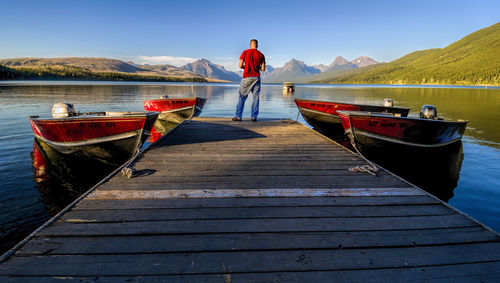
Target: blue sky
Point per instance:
(179, 31)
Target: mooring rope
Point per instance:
(370, 168)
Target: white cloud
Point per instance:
(158, 60)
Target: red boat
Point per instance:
(384, 133)
(324, 115)
(173, 111)
(101, 135)
(184, 108)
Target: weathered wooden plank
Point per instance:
(166, 173)
(257, 133)
(351, 177)
(256, 156)
(253, 241)
(262, 143)
(217, 193)
(252, 146)
(250, 261)
(224, 177)
(227, 183)
(257, 150)
(238, 131)
(257, 225)
(246, 163)
(104, 205)
(253, 212)
(243, 140)
(237, 166)
(476, 272)
(133, 185)
(249, 136)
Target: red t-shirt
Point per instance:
(253, 58)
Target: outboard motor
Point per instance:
(164, 96)
(60, 110)
(429, 112)
(388, 102)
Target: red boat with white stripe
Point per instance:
(183, 107)
(173, 111)
(96, 134)
(324, 114)
(383, 133)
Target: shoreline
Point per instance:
(113, 82)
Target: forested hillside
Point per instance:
(473, 60)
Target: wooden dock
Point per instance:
(272, 201)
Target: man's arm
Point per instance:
(242, 64)
(263, 66)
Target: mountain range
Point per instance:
(293, 70)
(296, 70)
(202, 69)
(205, 68)
(93, 68)
(472, 60)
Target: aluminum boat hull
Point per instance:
(107, 138)
(379, 134)
(324, 115)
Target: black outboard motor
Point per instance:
(429, 112)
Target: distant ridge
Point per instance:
(472, 60)
(293, 69)
(205, 68)
(340, 63)
(93, 69)
(96, 64)
(296, 70)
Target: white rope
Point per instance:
(371, 169)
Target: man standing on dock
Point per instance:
(252, 61)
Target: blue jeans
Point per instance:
(249, 84)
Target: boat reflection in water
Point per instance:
(61, 178)
(437, 171)
(173, 111)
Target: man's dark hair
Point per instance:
(254, 40)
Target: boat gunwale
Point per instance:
(92, 141)
(346, 103)
(163, 99)
(132, 115)
(368, 114)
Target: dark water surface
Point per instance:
(28, 197)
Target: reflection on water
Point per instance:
(28, 198)
(435, 170)
(479, 106)
(163, 126)
(61, 178)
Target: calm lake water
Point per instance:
(25, 204)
